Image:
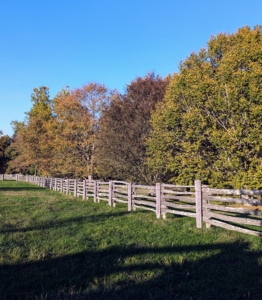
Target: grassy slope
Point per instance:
(57, 247)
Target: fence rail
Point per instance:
(238, 210)
(233, 209)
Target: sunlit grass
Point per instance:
(55, 246)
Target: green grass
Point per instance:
(55, 246)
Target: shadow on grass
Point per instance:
(228, 271)
(20, 188)
(63, 223)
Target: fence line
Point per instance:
(231, 209)
(226, 208)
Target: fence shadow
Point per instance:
(63, 223)
(20, 188)
(233, 272)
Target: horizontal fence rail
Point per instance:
(231, 209)
(238, 210)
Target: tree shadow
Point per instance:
(63, 223)
(20, 188)
(229, 271)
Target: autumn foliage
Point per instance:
(201, 123)
(209, 126)
(58, 136)
(124, 129)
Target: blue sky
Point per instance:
(56, 43)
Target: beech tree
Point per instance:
(124, 128)
(209, 126)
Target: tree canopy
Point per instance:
(124, 128)
(209, 126)
(29, 142)
(201, 123)
(58, 136)
(5, 141)
(74, 129)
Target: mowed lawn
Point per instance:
(55, 246)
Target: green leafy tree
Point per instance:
(209, 126)
(30, 139)
(5, 141)
(41, 104)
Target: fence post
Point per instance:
(75, 188)
(44, 182)
(198, 197)
(95, 191)
(205, 204)
(62, 185)
(110, 193)
(129, 193)
(133, 197)
(67, 186)
(113, 194)
(51, 183)
(163, 207)
(16, 177)
(158, 200)
(84, 188)
(98, 186)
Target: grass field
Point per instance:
(59, 247)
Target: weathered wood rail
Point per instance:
(238, 210)
(233, 209)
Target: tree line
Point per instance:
(203, 122)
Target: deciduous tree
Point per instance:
(209, 126)
(5, 141)
(75, 127)
(124, 128)
(29, 143)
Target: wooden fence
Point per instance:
(238, 210)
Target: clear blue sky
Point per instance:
(72, 42)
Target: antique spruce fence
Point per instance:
(237, 210)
